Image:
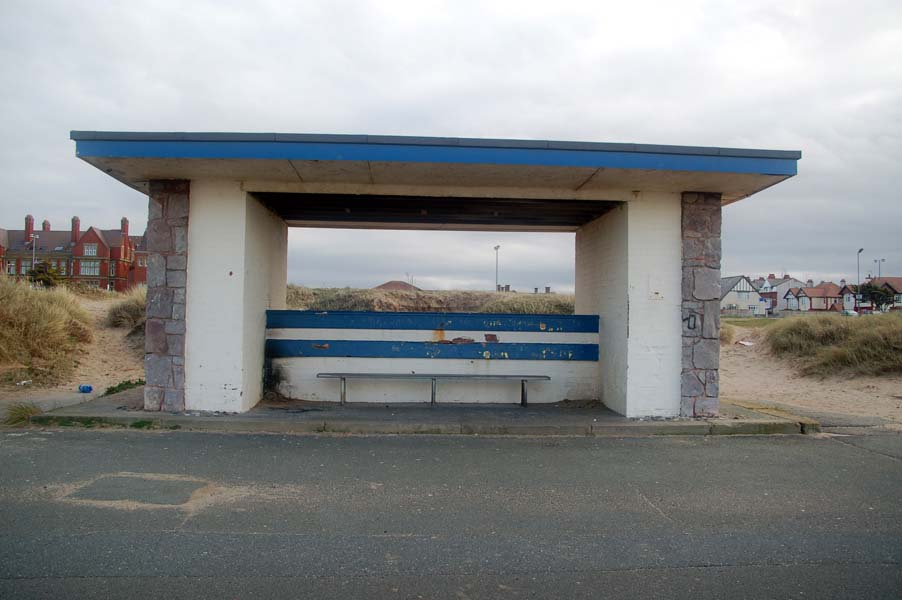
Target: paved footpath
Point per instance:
(132, 514)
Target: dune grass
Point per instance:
(426, 301)
(750, 323)
(536, 304)
(129, 312)
(727, 333)
(40, 330)
(832, 344)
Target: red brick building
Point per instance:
(107, 258)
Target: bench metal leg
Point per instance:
(522, 392)
(434, 385)
(344, 390)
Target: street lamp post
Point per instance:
(34, 243)
(879, 262)
(496, 266)
(858, 275)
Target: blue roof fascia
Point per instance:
(432, 150)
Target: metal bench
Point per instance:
(343, 377)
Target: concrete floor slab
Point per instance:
(396, 419)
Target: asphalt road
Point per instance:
(128, 514)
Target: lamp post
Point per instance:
(858, 275)
(498, 247)
(879, 262)
(34, 243)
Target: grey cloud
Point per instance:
(811, 75)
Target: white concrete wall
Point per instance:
(629, 272)
(236, 264)
(570, 380)
(655, 288)
(265, 286)
(602, 289)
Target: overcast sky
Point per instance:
(822, 77)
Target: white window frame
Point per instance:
(93, 271)
(90, 250)
(24, 267)
(112, 268)
(11, 266)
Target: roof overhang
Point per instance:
(427, 167)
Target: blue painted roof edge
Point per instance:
(398, 140)
(412, 153)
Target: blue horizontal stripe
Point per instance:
(307, 319)
(479, 351)
(283, 150)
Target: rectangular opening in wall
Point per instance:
(382, 303)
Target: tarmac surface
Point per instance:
(157, 514)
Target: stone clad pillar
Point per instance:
(167, 271)
(701, 222)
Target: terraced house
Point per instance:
(105, 258)
(822, 297)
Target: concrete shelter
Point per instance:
(647, 219)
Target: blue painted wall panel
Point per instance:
(304, 319)
(480, 351)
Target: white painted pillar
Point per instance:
(237, 265)
(629, 272)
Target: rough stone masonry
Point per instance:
(167, 269)
(701, 221)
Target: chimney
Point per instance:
(771, 276)
(45, 226)
(29, 227)
(547, 289)
(123, 225)
(842, 283)
(507, 288)
(76, 229)
(810, 283)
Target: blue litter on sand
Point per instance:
(85, 389)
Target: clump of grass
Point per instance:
(129, 312)
(20, 413)
(40, 330)
(827, 345)
(727, 333)
(123, 385)
(538, 304)
(299, 297)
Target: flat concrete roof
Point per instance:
(577, 170)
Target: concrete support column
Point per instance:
(167, 261)
(628, 273)
(238, 266)
(700, 381)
